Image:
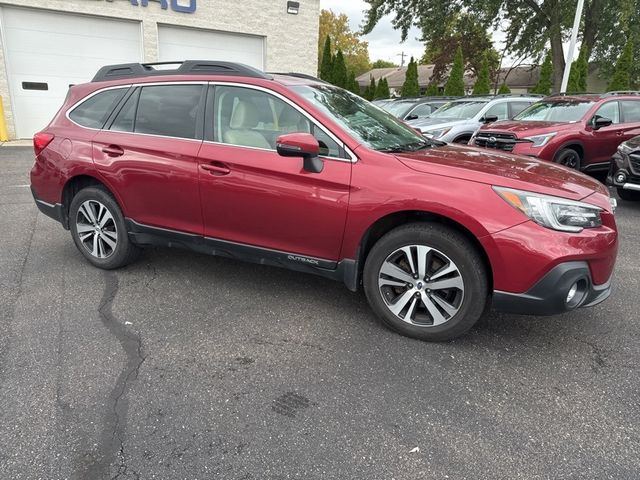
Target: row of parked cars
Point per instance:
(587, 132)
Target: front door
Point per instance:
(253, 196)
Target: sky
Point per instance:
(384, 41)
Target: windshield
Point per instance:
(459, 110)
(566, 112)
(365, 122)
(397, 108)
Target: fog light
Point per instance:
(621, 177)
(572, 292)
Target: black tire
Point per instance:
(109, 258)
(462, 140)
(461, 253)
(569, 158)
(628, 195)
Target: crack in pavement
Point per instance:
(111, 446)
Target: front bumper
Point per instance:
(621, 175)
(549, 295)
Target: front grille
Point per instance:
(634, 162)
(500, 141)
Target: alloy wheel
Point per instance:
(96, 229)
(421, 285)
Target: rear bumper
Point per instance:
(549, 295)
(50, 210)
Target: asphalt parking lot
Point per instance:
(183, 366)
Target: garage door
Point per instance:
(178, 43)
(45, 52)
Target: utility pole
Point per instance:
(402, 55)
(572, 47)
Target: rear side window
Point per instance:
(168, 110)
(93, 112)
(630, 111)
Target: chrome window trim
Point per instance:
(353, 158)
(307, 115)
(128, 85)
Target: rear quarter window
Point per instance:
(95, 110)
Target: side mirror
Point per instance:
(301, 145)
(489, 119)
(598, 122)
(413, 116)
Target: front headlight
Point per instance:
(541, 140)
(552, 212)
(440, 132)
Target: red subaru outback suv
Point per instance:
(289, 171)
(579, 131)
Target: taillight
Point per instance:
(40, 141)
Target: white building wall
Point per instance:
(291, 40)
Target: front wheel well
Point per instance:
(579, 149)
(70, 190)
(394, 220)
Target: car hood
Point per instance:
(524, 128)
(633, 143)
(506, 170)
(433, 123)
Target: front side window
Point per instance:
(557, 111)
(252, 118)
(421, 110)
(500, 110)
(459, 110)
(517, 107)
(94, 111)
(365, 122)
(609, 110)
(630, 111)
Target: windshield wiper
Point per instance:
(413, 147)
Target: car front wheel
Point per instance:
(569, 158)
(426, 281)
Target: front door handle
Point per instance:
(216, 168)
(113, 151)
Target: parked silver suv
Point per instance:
(458, 120)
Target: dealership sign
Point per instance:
(184, 6)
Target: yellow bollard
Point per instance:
(4, 135)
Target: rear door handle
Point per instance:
(216, 168)
(113, 151)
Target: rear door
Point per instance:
(148, 152)
(253, 196)
(630, 125)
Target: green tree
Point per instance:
(382, 89)
(411, 87)
(504, 89)
(622, 75)
(355, 51)
(326, 64)
(432, 90)
(370, 91)
(578, 74)
(545, 81)
(352, 83)
(483, 84)
(339, 75)
(455, 83)
(383, 64)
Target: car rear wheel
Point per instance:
(569, 158)
(426, 281)
(98, 229)
(628, 195)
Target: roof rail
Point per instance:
(300, 75)
(621, 92)
(187, 67)
(571, 94)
